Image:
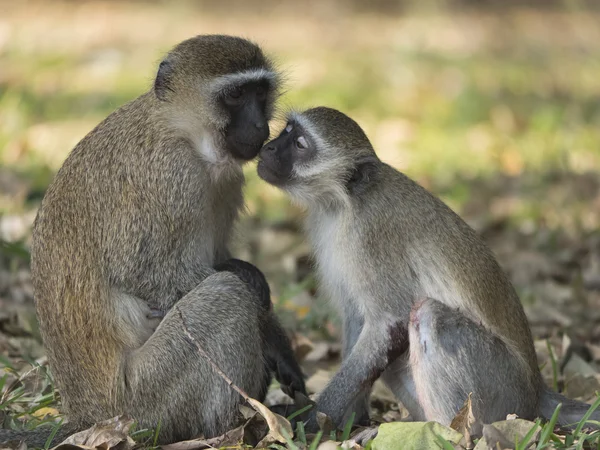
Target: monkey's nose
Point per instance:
(268, 148)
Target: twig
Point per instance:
(209, 359)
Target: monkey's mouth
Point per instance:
(267, 173)
(244, 150)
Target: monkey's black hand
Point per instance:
(290, 379)
(280, 358)
(301, 403)
(250, 275)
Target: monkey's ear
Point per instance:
(365, 169)
(162, 83)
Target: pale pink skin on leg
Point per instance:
(418, 335)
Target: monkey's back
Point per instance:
(443, 257)
(123, 217)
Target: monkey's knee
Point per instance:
(222, 293)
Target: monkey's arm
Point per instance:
(377, 345)
(353, 326)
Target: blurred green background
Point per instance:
(494, 106)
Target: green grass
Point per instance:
(20, 404)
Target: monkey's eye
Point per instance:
(301, 142)
(261, 93)
(289, 128)
(235, 93)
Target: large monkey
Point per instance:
(133, 224)
(424, 302)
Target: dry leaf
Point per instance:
(43, 412)
(394, 416)
(302, 346)
(277, 397)
(495, 439)
(365, 434)
(279, 427)
(328, 445)
(351, 444)
(465, 423)
(504, 433)
(383, 393)
(323, 351)
(247, 413)
(325, 423)
(232, 438)
(111, 434)
(318, 381)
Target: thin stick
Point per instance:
(208, 358)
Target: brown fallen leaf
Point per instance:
(302, 346)
(318, 381)
(44, 412)
(111, 434)
(232, 438)
(325, 423)
(503, 434)
(279, 427)
(247, 412)
(351, 444)
(364, 434)
(465, 423)
(495, 439)
(323, 351)
(328, 445)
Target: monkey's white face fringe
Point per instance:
(320, 181)
(232, 80)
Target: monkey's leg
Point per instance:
(452, 356)
(168, 382)
(398, 377)
(353, 325)
(278, 353)
(377, 344)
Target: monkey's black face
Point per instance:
(248, 125)
(277, 157)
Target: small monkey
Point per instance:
(425, 305)
(134, 223)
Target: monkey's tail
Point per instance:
(570, 413)
(39, 437)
